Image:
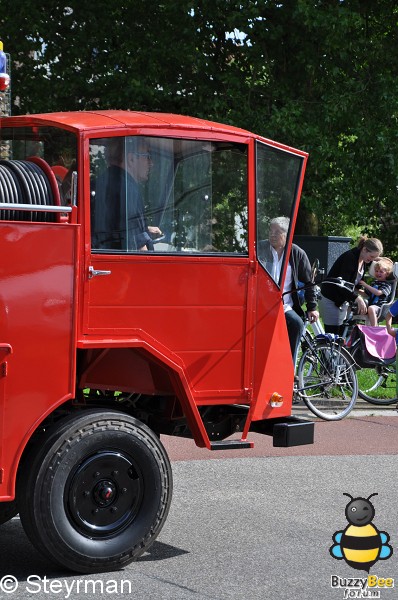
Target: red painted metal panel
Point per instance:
(92, 120)
(273, 365)
(87, 122)
(5, 351)
(194, 307)
(37, 308)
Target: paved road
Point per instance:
(256, 527)
(360, 435)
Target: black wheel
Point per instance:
(376, 384)
(98, 492)
(8, 510)
(327, 380)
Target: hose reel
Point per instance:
(28, 182)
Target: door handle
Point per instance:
(94, 273)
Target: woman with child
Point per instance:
(350, 267)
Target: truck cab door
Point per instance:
(279, 179)
(169, 254)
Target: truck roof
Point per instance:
(86, 120)
(91, 121)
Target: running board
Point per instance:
(230, 445)
(286, 431)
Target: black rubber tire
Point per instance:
(8, 510)
(97, 493)
(327, 380)
(380, 377)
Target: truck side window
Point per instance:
(168, 195)
(277, 179)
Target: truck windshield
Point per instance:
(57, 147)
(168, 195)
(277, 182)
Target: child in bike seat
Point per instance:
(379, 289)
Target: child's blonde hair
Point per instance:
(383, 261)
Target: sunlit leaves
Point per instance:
(321, 75)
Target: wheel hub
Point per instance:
(104, 494)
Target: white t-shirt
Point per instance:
(276, 273)
(288, 300)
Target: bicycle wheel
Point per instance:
(378, 384)
(327, 380)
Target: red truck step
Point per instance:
(230, 445)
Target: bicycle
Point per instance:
(376, 378)
(326, 378)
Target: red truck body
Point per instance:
(185, 338)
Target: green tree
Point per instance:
(320, 75)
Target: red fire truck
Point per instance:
(134, 302)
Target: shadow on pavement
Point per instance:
(19, 558)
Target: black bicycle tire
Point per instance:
(366, 397)
(347, 358)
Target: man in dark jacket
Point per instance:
(299, 274)
(119, 221)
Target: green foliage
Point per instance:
(320, 75)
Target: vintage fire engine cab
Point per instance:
(134, 302)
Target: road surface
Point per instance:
(254, 524)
